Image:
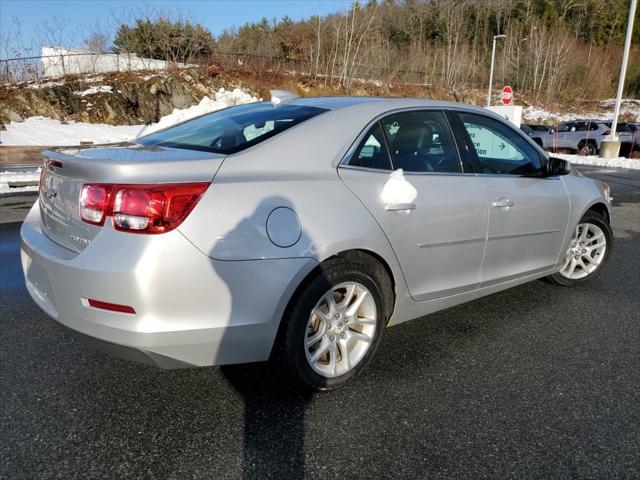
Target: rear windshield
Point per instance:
(232, 129)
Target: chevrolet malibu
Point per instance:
(296, 230)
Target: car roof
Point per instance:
(384, 103)
(590, 120)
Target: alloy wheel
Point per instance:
(585, 253)
(341, 329)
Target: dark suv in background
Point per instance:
(629, 133)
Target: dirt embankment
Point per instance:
(134, 98)
(115, 99)
(143, 97)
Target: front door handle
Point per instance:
(399, 207)
(502, 203)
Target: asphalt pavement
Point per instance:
(535, 382)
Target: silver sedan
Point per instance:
(297, 230)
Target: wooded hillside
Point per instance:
(563, 48)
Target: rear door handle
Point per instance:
(502, 203)
(399, 207)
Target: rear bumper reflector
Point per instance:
(114, 307)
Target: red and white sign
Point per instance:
(506, 95)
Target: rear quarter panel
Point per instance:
(296, 170)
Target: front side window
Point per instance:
(420, 141)
(500, 149)
(565, 127)
(372, 151)
(232, 129)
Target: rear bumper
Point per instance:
(191, 310)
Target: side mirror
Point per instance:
(557, 166)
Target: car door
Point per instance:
(528, 211)
(440, 239)
(562, 139)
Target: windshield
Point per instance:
(232, 129)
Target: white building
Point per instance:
(58, 61)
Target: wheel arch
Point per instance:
(357, 254)
(601, 209)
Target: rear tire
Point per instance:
(588, 251)
(587, 148)
(327, 339)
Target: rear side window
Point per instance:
(232, 129)
(372, 151)
(499, 148)
(420, 141)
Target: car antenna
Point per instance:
(279, 96)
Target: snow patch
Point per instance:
(594, 161)
(42, 131)
(8, 178)
(629, 107)
(94, 90)
(48, 132)
(38, 86)
(223, 99)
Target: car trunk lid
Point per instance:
(66, 171)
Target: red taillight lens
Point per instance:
(608, 132)
(142, 208)
(94, 202)
(41, 179)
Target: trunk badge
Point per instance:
(80, 240)
(49, 191)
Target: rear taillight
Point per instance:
(95, 202)
(140, 208)
(41, 181)
(607, 132)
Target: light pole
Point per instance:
(623, 67)
(610, 146)
(493, 57)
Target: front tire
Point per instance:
(335, 322)
(588, 251)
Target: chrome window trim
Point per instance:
(367, 169)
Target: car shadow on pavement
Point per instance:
(273, 422)
(274, 408)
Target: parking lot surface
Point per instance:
(534, 382)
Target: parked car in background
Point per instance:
(529, 128)
(629, 134)
(581, 136)
(270, 230)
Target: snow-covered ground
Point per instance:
(42, 131)
(95, 89)
(8, 177)
(36, 131)
(594, 161)
(629, 107)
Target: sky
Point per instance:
(78, 17)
